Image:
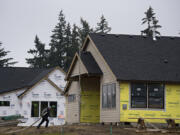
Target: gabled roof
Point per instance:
(140, 58)
(14, 78)
(88, 62)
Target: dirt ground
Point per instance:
(82, 130)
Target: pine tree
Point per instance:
(102, 26)
(5, 62)
(156, 26)
(57, 43)
(68, 48)
(75, 39)
(84, 30)
(152, 23)
(40, 55)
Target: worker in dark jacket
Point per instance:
(45, 114)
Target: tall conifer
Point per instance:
(40, 55)
(57, 43)
(102, 26)
(5, 62)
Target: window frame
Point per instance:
(147, 108)
(9, 104)
(111, 85)
(40, 109)
(49, 103)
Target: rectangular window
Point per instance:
(147, 95)
(138, 95)
(104, 96)
(4, 103)
(109, 96)
(71, 98)
(156, 96)
(44, 104)
(53, 112)
(35, 109)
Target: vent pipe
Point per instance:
(154, 34)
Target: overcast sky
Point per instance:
(21, 20)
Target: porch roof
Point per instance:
(88, 61)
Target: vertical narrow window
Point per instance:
(138, 95)
(35, 109)
(156, 96)
(114, 95)
(109, 96)
(109, 104)
(104, 96)
(53, 112)
(44, 105)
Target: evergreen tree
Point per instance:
(84, 30)
(57, 43)
(5, 62)
(68, 48)
(40, 55)
(102, 26)
(156, 26)
(152, 23)
(75, 39)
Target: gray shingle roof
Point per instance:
(13, 78)
(140, 58)
(90, 63)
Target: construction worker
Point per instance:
(45, 114)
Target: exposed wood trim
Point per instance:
(66, 89)
(57, 67)
(54, 85)
(46, 76)
(20, 96)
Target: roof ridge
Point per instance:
(113, 34)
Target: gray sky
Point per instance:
(21, 20)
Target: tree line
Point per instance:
(66, 40)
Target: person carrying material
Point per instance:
(45, 114)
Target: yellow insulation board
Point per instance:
(172, 105)
(90, 106)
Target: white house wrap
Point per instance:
(43, 88)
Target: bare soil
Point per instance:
(83, 130)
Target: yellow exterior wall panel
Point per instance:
(90, 101)
(171, 110)
(90, 106)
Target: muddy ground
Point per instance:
(83, 130)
